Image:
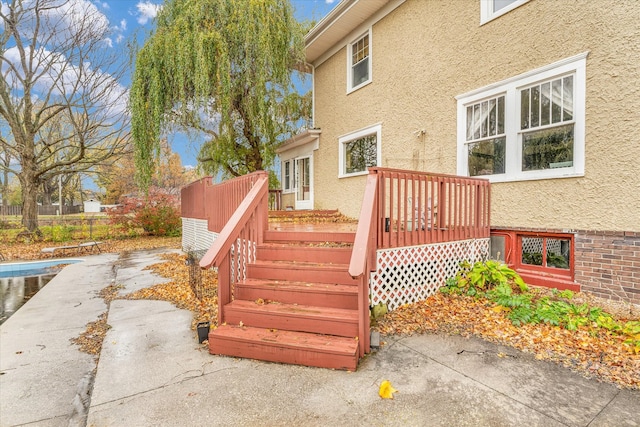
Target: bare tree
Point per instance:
(5, 161)
(60, 100)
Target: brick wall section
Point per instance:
(607, 264)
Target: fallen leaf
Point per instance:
(579, 350)
(386, 390)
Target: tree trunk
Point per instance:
(29, 202)
(5, 183)
(46, 196)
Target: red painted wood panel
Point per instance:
(302, 318)
(304, 293)
(285, 347)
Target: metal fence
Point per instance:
(200, 290)
(60, 229)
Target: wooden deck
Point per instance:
(293, 286)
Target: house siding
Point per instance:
(425, 53)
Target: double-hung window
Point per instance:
(359, 150)
(527, 127)
(359, 62)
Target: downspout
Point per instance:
(313, 96)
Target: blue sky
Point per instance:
(130, 17)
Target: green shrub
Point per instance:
(505, 288)
(476, 279)
(61, 233)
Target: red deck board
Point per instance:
(308, 311)
(292, 317)
(285, 347)
(305, 293)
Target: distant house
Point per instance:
(540, 97)
(92, 206)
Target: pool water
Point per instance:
(21, 281)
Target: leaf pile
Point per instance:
(593, 352)
(309, 217)
(179, 292)
(13, 251)
(90, 341)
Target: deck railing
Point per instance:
(235, 247)
(415, 208)
(275, 200)
(407, 208)
(216, 203)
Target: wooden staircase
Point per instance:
(298, 303)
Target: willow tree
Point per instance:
(222, 68)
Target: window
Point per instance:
(491, 9)
(545, 252)
(289, 176)
(546, 122)
(359, 150)
(527, 127)
(542, 258)
(286, 180)
(359, 60)
(485, 136)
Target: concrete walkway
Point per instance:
(153, 372)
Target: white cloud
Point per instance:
(58, 77)
(119, 30)
(147, 11)
(329, 1)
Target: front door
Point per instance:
(304, 185)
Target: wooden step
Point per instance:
(304, 253)
(303, 293)
(291, 317)
(298, 348)
(301, 272)
(309, 236)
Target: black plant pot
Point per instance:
(203, 331)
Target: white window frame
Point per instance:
(510, 88)
(350, 87)
(292, 176)
(345, 139)
(486, 10)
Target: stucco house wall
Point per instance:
(426, 53)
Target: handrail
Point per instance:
(363, 242)
(363, 258)
(231, 230)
